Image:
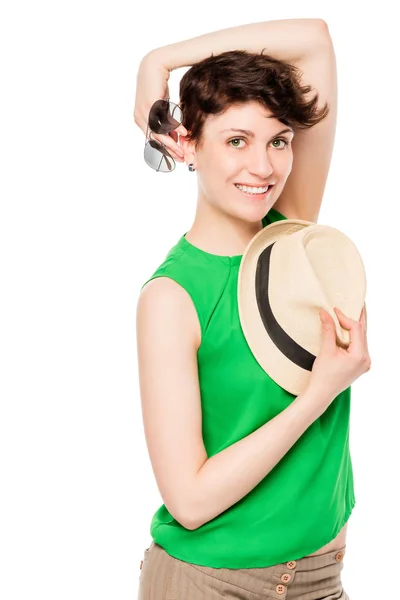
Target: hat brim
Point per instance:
(285, 373)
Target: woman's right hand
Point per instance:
(335, 368)
(151, 85)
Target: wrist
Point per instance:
(317, 398)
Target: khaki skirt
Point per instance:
(163, 577)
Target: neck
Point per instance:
(217, 232)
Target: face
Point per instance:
(258, 157)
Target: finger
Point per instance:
(328, 338)
(181, 157)
(356, 331)
(362, 319)
(182, 130)
(347, 321)
(172, 146)
(174, 135)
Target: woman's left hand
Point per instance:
(151, 85)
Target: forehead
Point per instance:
(243, 116)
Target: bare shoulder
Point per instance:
(168, 332)
(165, 303)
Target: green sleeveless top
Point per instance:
(306, 499)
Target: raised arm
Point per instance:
(289, 40)
(307, 44)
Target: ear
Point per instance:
(188, 150)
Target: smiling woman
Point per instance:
(253, 95)
(236, 457)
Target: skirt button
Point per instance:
(280, 589)
(291, 564)
(339, 556)
(286, 578)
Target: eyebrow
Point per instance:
(252, 134)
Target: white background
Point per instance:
(84, 222)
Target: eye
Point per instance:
(236, 140)
(284, 140)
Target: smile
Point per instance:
(260, 192)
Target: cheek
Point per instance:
(218, 166)
(284, 165)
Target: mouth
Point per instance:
(255, 193)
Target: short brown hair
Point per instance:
(235, 77)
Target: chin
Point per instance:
(253, 215)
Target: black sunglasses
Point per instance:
(164, 116)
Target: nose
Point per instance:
(259, 163)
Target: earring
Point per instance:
(191, 167)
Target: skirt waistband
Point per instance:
(309, 563)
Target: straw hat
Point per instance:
(289, 270)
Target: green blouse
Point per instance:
(306, 499)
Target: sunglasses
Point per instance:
(164, 116)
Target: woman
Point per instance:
(236, 458)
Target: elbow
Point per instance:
(320, 23)
(186, 505)
(323, 24)
(192, 524)
(189, 520)
(324, 29)
(187, 517)
(322, 36)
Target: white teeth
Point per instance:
(252, 190)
